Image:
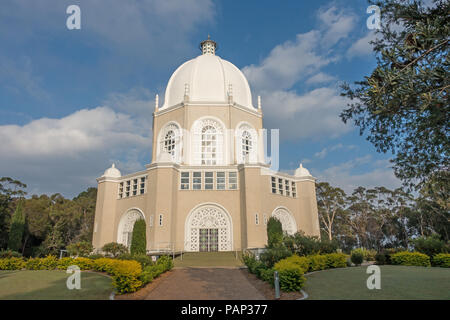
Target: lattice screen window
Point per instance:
(280, 186)
(232, 180)
(209, 180)
(274, 185)
(256, 219)
(185, 180)
(121, 190)
(294, 189)
(128, 189)
(160, 220)
(287, 187)
(197, 180)
(247, 145)
(142, 185)
(220, 180)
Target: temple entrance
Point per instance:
(208, 228)
(209, 240)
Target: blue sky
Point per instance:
(74, 101)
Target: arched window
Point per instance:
(169, 141)
(247, 145)
(209, 145)
(208, 142)
(246, 140)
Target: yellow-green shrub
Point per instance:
(12, 264)
(302, 262)
(64, 263)
(290, 274)
(126, 275)
(83, 263)
(317, 262)
(441, 260)
(33, 264)
(336, 260)
(406, 258)
(49, 263)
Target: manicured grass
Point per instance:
(397, 282)
(208, 259)
(51, 285)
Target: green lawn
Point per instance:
(397, 282)
(208, 259)
(51, 285)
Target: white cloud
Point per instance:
(324, 152)
(64, 154)
(342, 175)
(313, 114)
(362, 47)
(320, 78)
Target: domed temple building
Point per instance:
(208, 187)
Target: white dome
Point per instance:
(207, 78)
(112, 172)
(302, 172)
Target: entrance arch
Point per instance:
(288, 223)
(126, 225)
(208, 227)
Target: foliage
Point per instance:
(380, 258)
(441, 260)
(290, 274)
(125, 274)
(49, 263)
(317, 262)
(150, 272)
(4, 254)
(430, 246)
(12, 264)
(357, 257)
(273, 254)
(139, 240)
(368, 255)
(406, 258)
(331, 205)
(336, 260)
(17, 229)
(274, 232)
(65, 262)
(114, 249)
(80, 249)
(403, 104)
(301, 262)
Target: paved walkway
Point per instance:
(205, 284)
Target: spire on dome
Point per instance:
(208, 46)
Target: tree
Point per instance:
(330, 203)
(17, 229)
(10, 190)
(139, 239)
(404, 105)
(274, 232)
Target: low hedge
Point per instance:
(441, 260)
(290, 274)
(406, 258)
(127, 275)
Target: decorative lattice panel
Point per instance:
(209, 217)
(126, 225)
(287, 221)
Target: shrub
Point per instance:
(380, 258)
(301, 262)
(12, 264)
(336, 260)
(33, 264)
(357, 257)
(166, 261)
(406, 258)
(96, 256)
(267, 275)
(274, 232)
(5, 254)
(430, 246)
(48, 263)
(317, 262)
(83, 263)
(389, 252)
(80, 249)
(368, 255)
(126, 275)
(104, 265)
(64, 263)
(274, 254)
(143, 259)
(252, 264)
(306, 245)
(114, 249)
(139, 240)
(441, 260)
(290, 274)
(327, 246)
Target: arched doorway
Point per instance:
(208, 228)
(126, 224)
(287, 220)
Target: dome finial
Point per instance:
(208, 46)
